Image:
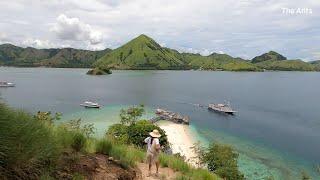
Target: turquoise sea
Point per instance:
(276, 130)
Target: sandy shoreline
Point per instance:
(180, 139)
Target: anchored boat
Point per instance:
(224, 108)
(171, 116)
(6, 84)
(89, 104)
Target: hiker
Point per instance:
(153, 149)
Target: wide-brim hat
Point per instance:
(155, 133)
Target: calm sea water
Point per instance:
(276, 131)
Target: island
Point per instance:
(144, 53)
(99, 71)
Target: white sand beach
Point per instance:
(180, 139)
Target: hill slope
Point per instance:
(316, 65)
(11, 55)
(275, 61)
(142, 53)
(286, 65)
(217, 61)
(270, 56)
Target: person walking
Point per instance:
(153, 150)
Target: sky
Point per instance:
(241, 28)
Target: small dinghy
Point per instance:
(223, 108)
(89, 104)
(6, 84)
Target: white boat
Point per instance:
(6, 84)
(224, 108)
(89, 104)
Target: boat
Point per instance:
(6, 84)
(89, 104)
(223, 108)
(170, 116)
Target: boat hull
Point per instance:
(219, 111)
(7, 86)
(87, 106)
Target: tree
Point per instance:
(47, 118)
(222, 160)
(139, 131)
(131, 115)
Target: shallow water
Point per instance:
(276, 130)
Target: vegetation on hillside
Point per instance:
(222, 160)
(286, 65)
(11, 55)
(132, 131)
(35, 147)
(144, 53)
(32, 145)
(218, 62)
(141, 53)
(270, 56)
(316, 65)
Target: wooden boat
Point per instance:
(223, 108)
(89, 104)
(6, 84)
(171, 116)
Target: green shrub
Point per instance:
(27, 144)
(63, 136)
(128, 155)
(78, 142)
(174, 162)
(130, 116)
(187, 171)
(139, 131)
(222, 160)
(197, 174)
(104, 146)
(135, 133)
(119, 133)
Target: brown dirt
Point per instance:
(164, 173)
(94, 167)
(100, 167)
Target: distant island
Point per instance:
(143, 53)
(99, 71)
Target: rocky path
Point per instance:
(164, 173)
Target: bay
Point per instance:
(276, 129)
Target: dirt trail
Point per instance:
(164, 173)
(102, 167)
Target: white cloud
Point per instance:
(2, 36)
(243, 28)
(42, 44)
(73, 29)
(37, 43)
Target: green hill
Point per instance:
(316, 65)
(275, 61)
(142, 53)
(315, 62)
(270, 56)
(11, 55)
(286, 65)
(217, 61)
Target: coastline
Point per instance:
(181, 140)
